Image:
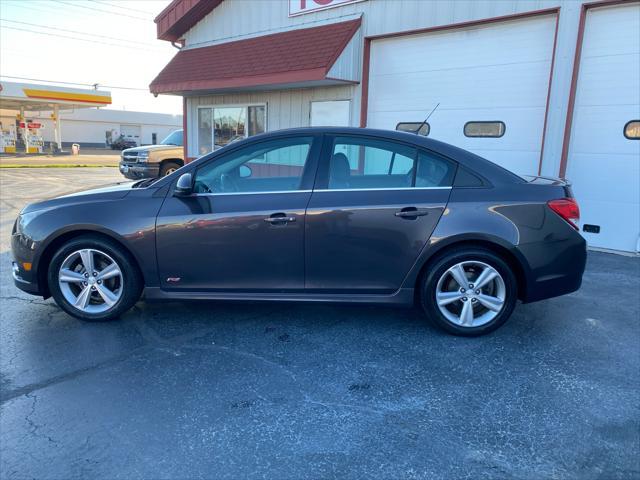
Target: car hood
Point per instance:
(114, 191)
(147, 148)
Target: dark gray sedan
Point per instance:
(314, 214)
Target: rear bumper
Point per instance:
(555, 269)
(136, 171)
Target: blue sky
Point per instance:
(109, 42)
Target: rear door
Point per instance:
(373, 208)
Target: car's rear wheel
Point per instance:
(168, 168)
(469, 291)
(94, 279)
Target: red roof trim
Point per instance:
(180, 16)
(294, 56)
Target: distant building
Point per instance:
(98, 127)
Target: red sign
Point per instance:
(31, 125)
(299, 7)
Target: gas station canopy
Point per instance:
(27, 97)
(37, 98)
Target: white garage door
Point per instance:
(131, 132)
(604, 165)
(496, 72)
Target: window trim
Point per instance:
(624, 130)
(428, 125)
(229, 105)
(504, 129)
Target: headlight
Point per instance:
(25, 219)
(143, 156)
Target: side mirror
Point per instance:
(245, 171)
(184, 186)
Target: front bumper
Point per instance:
(25, 279)
(137, 171)
(29, 286)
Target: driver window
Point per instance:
(272, 166)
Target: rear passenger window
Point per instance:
(364, 163)
(434, 171)
(484, 129)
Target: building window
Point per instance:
(632, 130)
(484, 129)
(219, 126)
(412, 127)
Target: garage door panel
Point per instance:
(497, 72)
(447, 125)
(622, 89)
(600, 176)
(500, 86)
(609, 216)
(473, 47)
(602, 39)
(601, 130)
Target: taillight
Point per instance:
(568, 209)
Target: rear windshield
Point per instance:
(174, 138)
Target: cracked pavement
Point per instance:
(249, 390)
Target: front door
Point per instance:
(374, 208)
(243, 228)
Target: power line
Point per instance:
(93, 9)
(78, 32)
(124, 8)
(74, 83)
(80, 39)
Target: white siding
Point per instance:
(242, 18)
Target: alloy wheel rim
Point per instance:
(470, 294)
(91, 281)
(170, 171)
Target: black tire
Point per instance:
(168, 168)
(437, 269)
(131, 277)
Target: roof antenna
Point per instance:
(417, 132)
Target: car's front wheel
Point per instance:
(94, 279)
(469, 291)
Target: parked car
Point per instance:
(123, 142)
(153, 161)
(314, 214)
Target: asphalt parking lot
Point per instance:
(220, 390)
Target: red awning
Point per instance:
(293, 57)
(180, 15)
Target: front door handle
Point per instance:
(279, 218)
(412, 212)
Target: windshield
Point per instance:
(174, 138)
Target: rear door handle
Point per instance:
(412, 212)
(278, 218)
